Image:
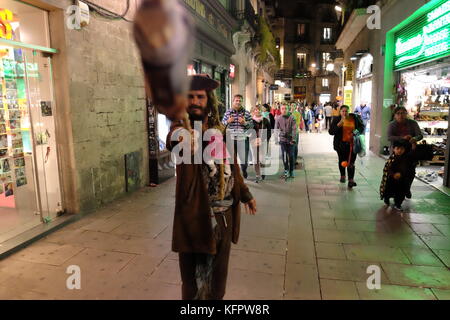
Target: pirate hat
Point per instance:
(203, 82)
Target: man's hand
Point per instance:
(408, 137)
(250, 207)
(241, 120)
(230, 119)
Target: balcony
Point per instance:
(284, 74)
(244, 11)
(302, 74)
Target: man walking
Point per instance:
(237, 122)
(207, 205)
(364, 112)
(286, 130)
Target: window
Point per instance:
(326, 34)
(300, 90)
(301, 61)
(325, 58)
(301, 30)
(325, 83)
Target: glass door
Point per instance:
(42, 115)
(19, 208)
(29, 171)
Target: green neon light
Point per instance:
(424, 38)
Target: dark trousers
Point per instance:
(343, 154)
(295, 151)
(398, 199)
(328, 122)
(396, 189)
(216, 266)
(287, 154)
(242, 154)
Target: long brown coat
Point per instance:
(192, 225)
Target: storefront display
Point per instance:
(29, 169)
(421, 59)
(427, 99)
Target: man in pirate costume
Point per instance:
(207, 209)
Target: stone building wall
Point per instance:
(100, 92)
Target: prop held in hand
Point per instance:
(164, 35)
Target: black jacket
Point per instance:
(264, 124)
(337, 132)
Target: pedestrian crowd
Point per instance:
(208, 197)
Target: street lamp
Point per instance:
(338, 8)
(313, 65)
(330, 67)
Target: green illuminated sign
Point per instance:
(427, 38)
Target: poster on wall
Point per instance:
(3, 141)
(2, 115)
(19, 162)
(21, 181)
(19, 173)
(46, 108)
(5, 166)
(132, 171)
(1, 189)
(9, 189)
(5, 177)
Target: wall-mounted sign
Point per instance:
(274, 87)
(232, 71)
(349, 72)
(427, 38)
(348, 95)
(365, 66)
(6, 17)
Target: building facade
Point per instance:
(307, 33)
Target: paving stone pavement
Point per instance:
(311, 239)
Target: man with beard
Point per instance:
(207, 208)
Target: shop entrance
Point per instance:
(427, 99)
(29, 171)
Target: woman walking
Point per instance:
(342, 128)
(259, 143)
(404, 128)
